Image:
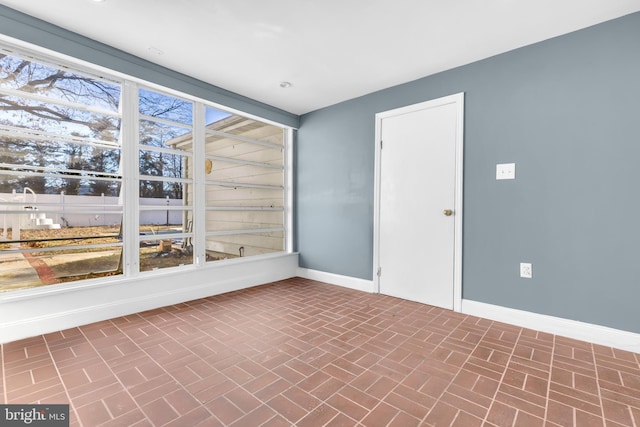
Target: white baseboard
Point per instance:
(554, 325)
(337, 279)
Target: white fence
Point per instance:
(83, 211)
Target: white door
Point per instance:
(419, 202)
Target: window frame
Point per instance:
(131, 176)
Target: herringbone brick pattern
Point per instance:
(304, 353)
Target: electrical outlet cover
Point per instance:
(506, 171)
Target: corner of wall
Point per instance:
(337, 279)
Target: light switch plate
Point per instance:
(506, 171)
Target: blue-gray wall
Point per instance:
(567, 112)
(29, 29)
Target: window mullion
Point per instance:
(130, 186)
(288, 140)
(41, 135)
(199, 170)
(53, 101)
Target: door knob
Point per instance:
(448, 212)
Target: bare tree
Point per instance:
(49, 112)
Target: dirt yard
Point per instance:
(67, 265)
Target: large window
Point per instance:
(197, 178)
(244, 187)
(60, 179)
(164, 177)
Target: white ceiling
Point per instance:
(330, 50)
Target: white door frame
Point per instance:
(458, 100)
